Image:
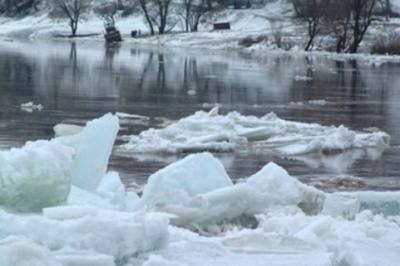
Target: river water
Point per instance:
(77, 82)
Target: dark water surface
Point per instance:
(76, 82)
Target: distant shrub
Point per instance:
(287, 44)
(128, 11)
(387, 45)
(249, 40)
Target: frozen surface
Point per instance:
(36, 175)
(190, 213)
(115, 234)
(233, 131)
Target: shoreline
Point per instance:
(91, 30)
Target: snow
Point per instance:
(190, 212)
(265, 22)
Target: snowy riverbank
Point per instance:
(265, 22)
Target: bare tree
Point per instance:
(310, 11)
(386, 8)
(144, 4)
(161, 15)
(157, 14)
(193, 10)
(348, 20)
(107, 11)
(187, 7)
(120, 5)
(15, 7)
(337, 22)
(73, 10)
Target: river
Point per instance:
(77, 82)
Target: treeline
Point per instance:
(161, 15)
(344, 21)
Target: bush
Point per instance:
(249, 40)
(387, 45)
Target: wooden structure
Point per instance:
(222, 26)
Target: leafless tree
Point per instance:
(360, 21)
(310, 11)
(107, 11)
(161, 15)
(193, 10)
(15, 7)
(348, 20)
(146, 7)
(73, 10)
(337, 23)
(386, 8)
(120, 5)
(157, 14)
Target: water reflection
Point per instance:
(76, 82)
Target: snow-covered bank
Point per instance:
(269, 216)
(276, 18)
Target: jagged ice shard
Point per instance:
(93, 147)
(198, 191)
(77, 218)
(40, 173)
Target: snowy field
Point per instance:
(60, 206)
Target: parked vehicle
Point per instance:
(112, 34)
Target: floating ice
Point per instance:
(385, 203)
(116, 234)
(179, 182)
(213, 132)
(66, 129)
(93, 147)
(111, 188)
(40, 173)
(270, 216)
(198, 191)
(35, 176)
(12, 248)
(302, 78)
(30, 107)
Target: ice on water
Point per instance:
(190, 212)
(181, 181)
(214, 132)
(93, 147)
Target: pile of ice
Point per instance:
(77, 213)
(72, 208)
(198, 191)
(210, 131)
